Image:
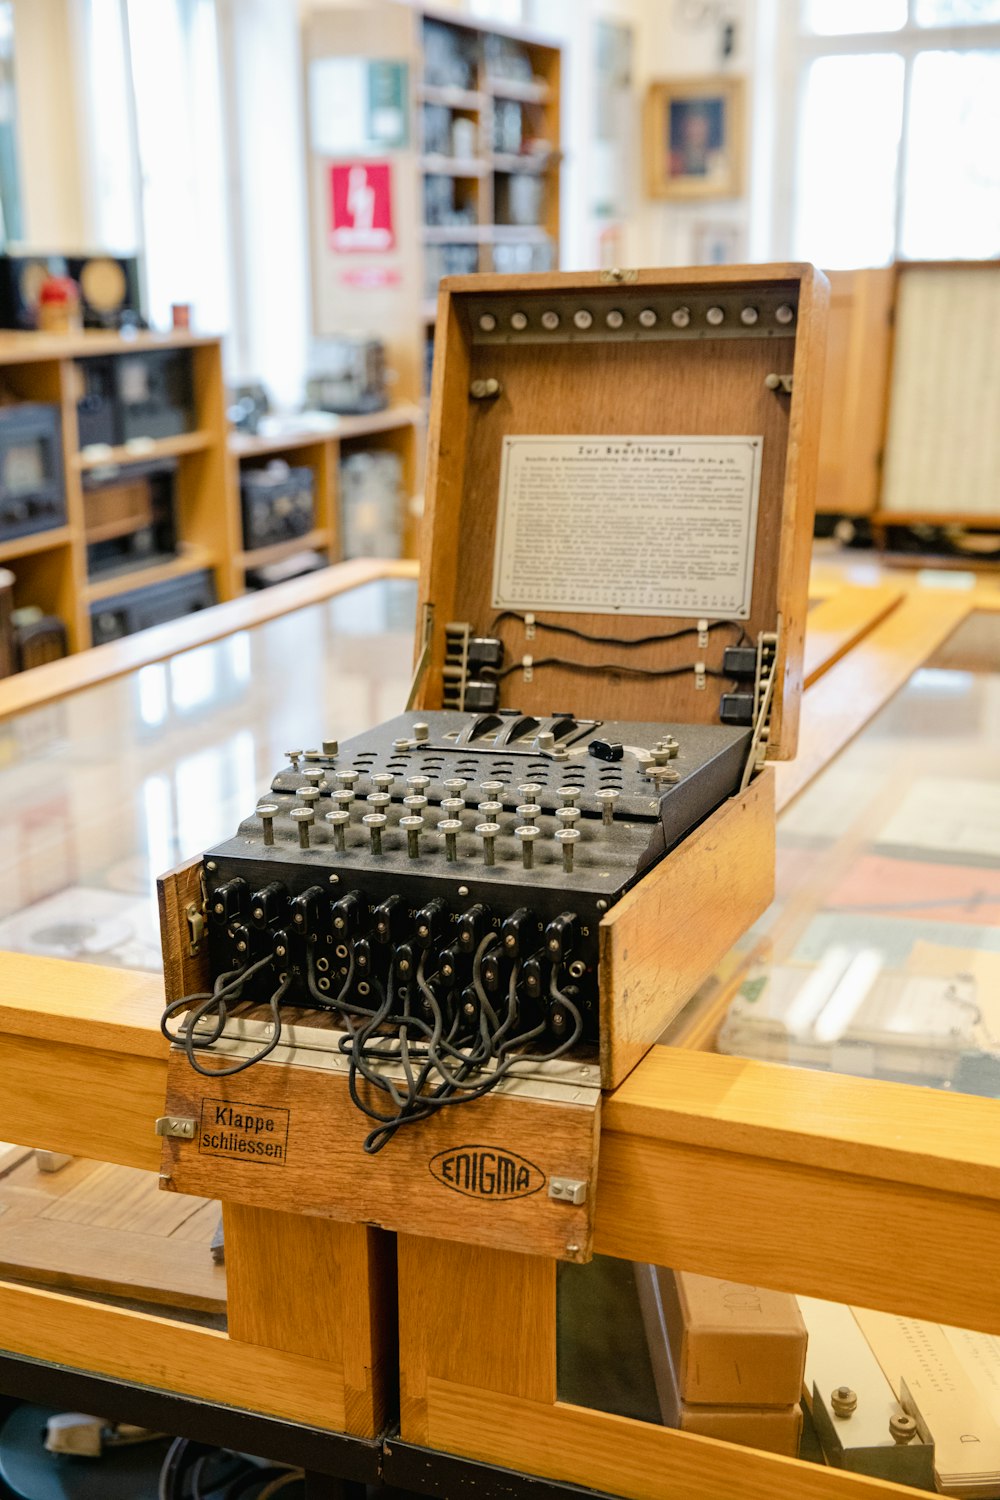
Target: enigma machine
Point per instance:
(444, 936)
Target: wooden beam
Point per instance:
(169, 1355)
(625, 1457)
(837, 623)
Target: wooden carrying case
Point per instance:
(746, 361)
(752, 375)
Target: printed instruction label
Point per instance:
(248, 1132)
(628, 525)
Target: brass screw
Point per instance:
(844, 1401)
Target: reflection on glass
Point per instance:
(956, 12)
(881, 955)
(101, 793)
(951, 197)
(841, 17)
(847, 160)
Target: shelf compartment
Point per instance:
(135, 453)
(451, 98)
(191, 559)
(453, 166)
(262, 557)
(35, 541)
(506, 161)
(512, 88)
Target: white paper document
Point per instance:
(628, 525)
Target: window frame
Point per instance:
(799, 48)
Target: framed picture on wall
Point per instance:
(694, 138)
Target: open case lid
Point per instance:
(625, 455)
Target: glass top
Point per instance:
(104, 791)
(880, 955)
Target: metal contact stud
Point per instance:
(267, 812)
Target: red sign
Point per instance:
(361, 207)
(371, 278)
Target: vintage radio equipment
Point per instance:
(279, 503)
(354, 378)
(138, 609)
(109, 285)
(517, 884)
(125, 397)
(110, 290)
(130, 515)
(38, 638)
(248, 403)
(32, 494)
(296, 566)
(371, 504)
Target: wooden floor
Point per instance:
(106, 1230)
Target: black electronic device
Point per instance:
(122, 398)
(32, 492)
(279, 503)
(353, 378)
(445, 880)
(130, 515)
(110, 291)
(155, 603)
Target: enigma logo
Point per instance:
(487, 1172)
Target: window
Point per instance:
(892, 120)
(154, 112)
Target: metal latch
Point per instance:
(196, 928)
(178, 1127)
(568, 1190)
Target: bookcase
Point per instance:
(475, 185)
(50, 566)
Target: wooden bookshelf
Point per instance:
(484, 178)
(50, 566)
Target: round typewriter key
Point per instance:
(715, 316)
(648, 318)
(519, 321)
(527, 836)
(749, 316)
(550, 321)
(488, 833)
(451, 828)
(567, 837)
(784, 314)
(339, 821)
(411, 826)
(303, 816)
(487, 322)
(582, 318)
(681, 317)
(375, 822)
(614, 319)
(267, 813)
